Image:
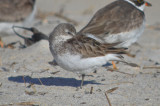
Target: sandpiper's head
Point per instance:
(64, 30)
(140, 4)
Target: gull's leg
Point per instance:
(1, 43)
(83, 75)
(114, 65)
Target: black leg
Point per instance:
(83, 75)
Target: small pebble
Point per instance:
(156, 63)
(103, 79)
(147, 99)
(83, 103)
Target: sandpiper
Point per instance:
(80, 53)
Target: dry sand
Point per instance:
(48, 85)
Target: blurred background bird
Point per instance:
(16, 12)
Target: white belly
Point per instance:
(127, 38)
(77, 64)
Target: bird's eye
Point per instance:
(70, 33)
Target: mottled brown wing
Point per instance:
(114, 18)
(89, 47)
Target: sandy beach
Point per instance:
(27, 78)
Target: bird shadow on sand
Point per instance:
(51, 81)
